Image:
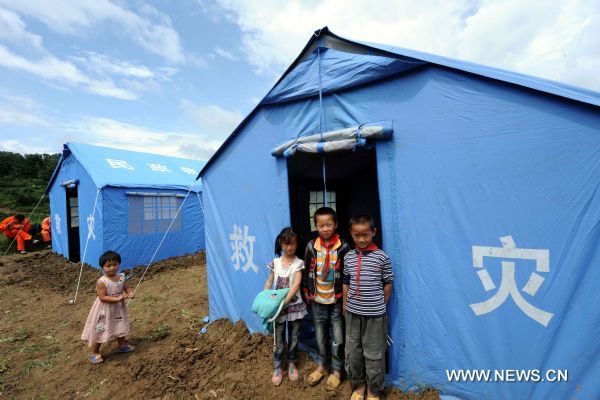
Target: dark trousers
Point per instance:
(366, 339)
(329, 332)
(292, 342)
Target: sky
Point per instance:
(176, 77)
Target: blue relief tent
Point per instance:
(109, 199)
(484, 187)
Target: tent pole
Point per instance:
(325, 197)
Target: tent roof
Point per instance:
(121, 168)
(346, 63)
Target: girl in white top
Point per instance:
(286, 272)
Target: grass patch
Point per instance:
(158, 333)
(4, 365)
(20, 335)
(32, 364)
(149, 299)
(65, 324)
(31, 349)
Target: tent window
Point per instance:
(74, 206)
(152, 214)
(316, 201)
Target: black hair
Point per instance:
(361, 219)
(325, 211)
(109, 256)
(20, 217)
(287, 235)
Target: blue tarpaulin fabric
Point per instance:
(109, 178)
(121, 168)
(490, 214)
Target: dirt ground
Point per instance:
(42, 356)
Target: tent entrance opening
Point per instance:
(352, 189)
(73, 223)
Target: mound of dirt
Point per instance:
(45, 269)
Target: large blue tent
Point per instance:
(109, 199)
(484, 187)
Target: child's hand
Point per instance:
(130, 295)
(121, 297)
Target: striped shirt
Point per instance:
(365, 294)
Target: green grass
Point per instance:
(4, 365)
(158, 333)
(32, 364)
(31, 349)
(20, 335)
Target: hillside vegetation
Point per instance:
(23, 180)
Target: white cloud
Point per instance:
(225, 54)
(14, 31)
(196, 60)
(113, 133)
(53, 69)
(103, 64)
(555, 40)
(17, 146)
(150, 28)
(212, 119)
(22, 111)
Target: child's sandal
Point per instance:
(277, 377)
(315, 377)
(292, 373)
(357, 396)
(125, 349)
(333, 382)
(96, 359)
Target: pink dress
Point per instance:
(107, 321)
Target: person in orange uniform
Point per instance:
(46, 231)
(17, 227)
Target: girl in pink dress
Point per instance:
(108, 318)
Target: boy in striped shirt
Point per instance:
(368, 280)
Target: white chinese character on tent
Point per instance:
(189, 171)
(90, 225)
(119, 164)
(56, 227)
(243, 249)
(159, 168)
(508, 285)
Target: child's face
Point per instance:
(326, 226)
(362, 234)
(110, 268)
(289, 249)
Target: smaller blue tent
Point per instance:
(109, 199)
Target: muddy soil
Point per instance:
(42, 356)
